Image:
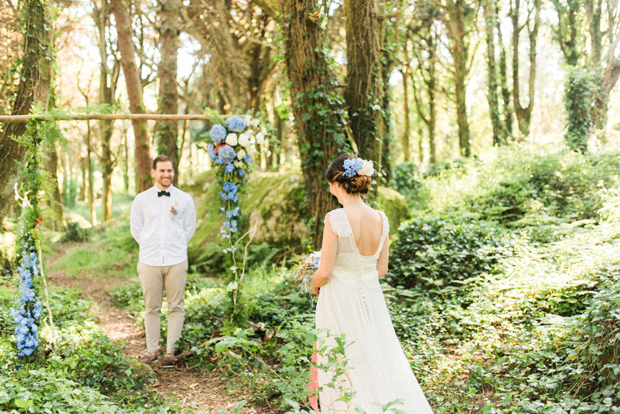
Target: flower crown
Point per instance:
(358, 166)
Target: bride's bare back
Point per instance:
(367, 226)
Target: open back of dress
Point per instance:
(352, 303)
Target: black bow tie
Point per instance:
(163, 193)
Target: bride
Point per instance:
(354, 256)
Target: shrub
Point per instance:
(43, 391)
(438, 251)
(405, 181)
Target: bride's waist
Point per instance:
(346, 273)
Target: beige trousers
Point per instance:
(154, 279)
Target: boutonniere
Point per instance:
(173, 209)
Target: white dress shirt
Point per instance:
(163, 226)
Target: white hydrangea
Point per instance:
(244, 139)
(254, 123)
(241, 155)
(231, 139)
(260, 138)
(232, 286)
(238, 163)
(367, 169)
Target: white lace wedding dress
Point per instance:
(352, 303)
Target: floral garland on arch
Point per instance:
(233, 144)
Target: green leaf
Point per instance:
(23, 403)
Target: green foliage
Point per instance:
(540, 185)
(98, 362)
(438, 251)
(404, 180)
(68, 306)
(582, 89)
(44, 391)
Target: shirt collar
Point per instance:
(155, 188)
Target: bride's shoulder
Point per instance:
(337, 221)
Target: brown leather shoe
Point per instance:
(148, 358)
(169, 360)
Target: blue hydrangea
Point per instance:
(229, 191)
(29, 308)
(212, 153)
(235, 124)
(227, 154)
(351, 167)
(229, 168)
(248, 159)
(218, 133)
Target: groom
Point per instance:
(163, 221)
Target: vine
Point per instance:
(35, 185)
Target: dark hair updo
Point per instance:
(358, 184)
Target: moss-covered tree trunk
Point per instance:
(34, 87)
(492, 84)
(364, 90)
(108, 80)
(459, 21)
(524, 113)
(134, 93)
(317, 106)
(568, 30)
(167, 131)
(503, 80)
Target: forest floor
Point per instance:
(206, 391)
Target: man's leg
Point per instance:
(151, 280)
(174, 282)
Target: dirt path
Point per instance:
(206, 390)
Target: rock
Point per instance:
(276, 210)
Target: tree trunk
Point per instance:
(83, 184)
(91, 178)
(316, 106)
(388, 60)
(503, 81)
(524, 114)
(108, 79)
(567, 31)
(167, 131)
(407, 128)
(364, 91)
(459, 15)
(56, 200)
(490, 20)
(134, 93)
(34, 87)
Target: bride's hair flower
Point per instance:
(218, 133)
(358, 166)
(235, 124)
(367, 169)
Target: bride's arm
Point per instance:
(382, 262)
(328, 257)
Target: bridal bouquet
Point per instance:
(306, 270)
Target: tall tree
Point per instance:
(524, 113)
(503, 79)
(490, 20)
(167, 131)
(425, 37)
(364, 90)
(569, 29)
(34, 88)
(134, 92)
(460, 22)
(317, 107)
(108, 80)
